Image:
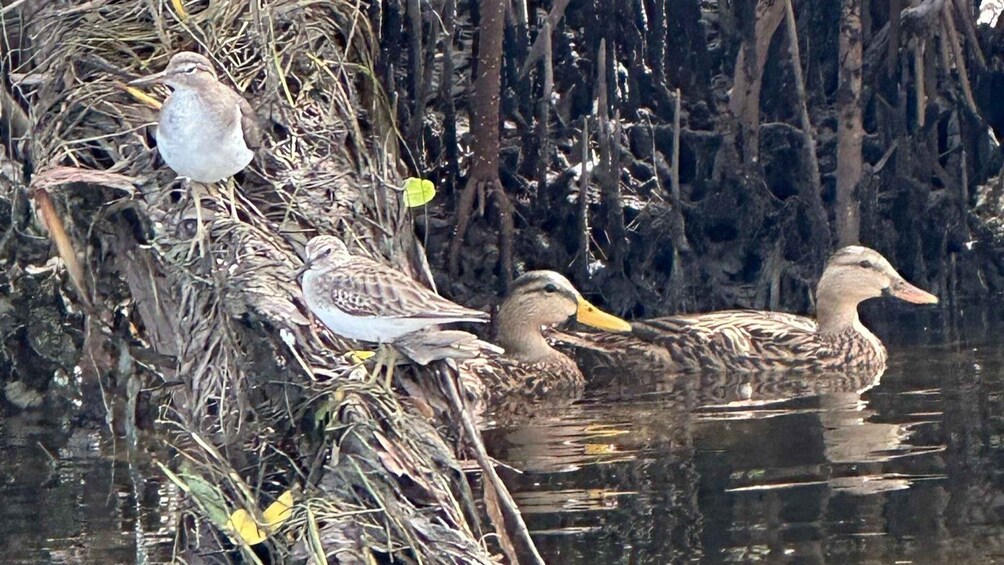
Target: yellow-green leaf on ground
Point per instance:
(358, 357)
(279, 511)
(243, 524)
(418, 192)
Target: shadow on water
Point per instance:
(828, 469)
(66, 499)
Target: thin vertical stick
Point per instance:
(584, 179)
(813, 192)
(481, 455)
(674, 172)
(918, 81)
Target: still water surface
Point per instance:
(908, 467)
(67, 498)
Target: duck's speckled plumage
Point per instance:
(498, 379)
(530, 367)
(749, 340)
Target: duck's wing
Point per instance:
(734, 339)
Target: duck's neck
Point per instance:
(519, 334)
(836, 314)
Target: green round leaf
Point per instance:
(418, 192)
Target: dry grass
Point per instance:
(259, 400)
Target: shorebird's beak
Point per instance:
(301, 270)
(906, 291)
(149, 79)
(592, 316)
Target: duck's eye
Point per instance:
(549, 288)
(324, 253)
(190, 71)
(866, 264)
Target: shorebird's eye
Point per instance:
(866, 264)
(549, 288)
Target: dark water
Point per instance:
(66, 498)
(908, 468)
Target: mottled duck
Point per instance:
(750, 340)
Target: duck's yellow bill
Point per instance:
(592, 316)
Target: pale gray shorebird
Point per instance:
(359, 298)
(206, 132)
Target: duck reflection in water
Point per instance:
(671, 443)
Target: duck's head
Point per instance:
(854, 274)
(185, 69)
(322, 252)
(545, 298)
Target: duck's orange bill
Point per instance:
(592, 316)
(906, 291)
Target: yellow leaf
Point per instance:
(418, 192)
(180, 8)
(279, 511)
(242, 523)
(359, 357)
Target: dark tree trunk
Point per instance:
(484, 172)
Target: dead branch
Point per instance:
(539, 50)
(449, 378)
(416, 73)
(446, 100)
(745, 101)
(850, 129)
(919, 90)
(892, 53)
(969, 28)
(811, 192)
(544, 120)
(609, 140)
(948, 24)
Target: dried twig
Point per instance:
(449, 379)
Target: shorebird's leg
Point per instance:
(384, 361)
(391, 363)
(231, 195)
(201, 234)
(378, 363)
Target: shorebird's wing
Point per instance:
(249, 124)
(368, 288)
